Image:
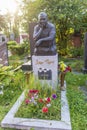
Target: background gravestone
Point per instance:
(32, 42)
(12, 36)
(85, 53)
(3, 54)
(28, 66)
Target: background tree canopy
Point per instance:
(69, 16)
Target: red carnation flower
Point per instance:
(40, 100)
(45, 110)
(33, 91)
(68, 68)
(48, 100)
(27, 101)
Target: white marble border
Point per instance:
(38, 124)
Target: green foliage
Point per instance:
(75, 52)
(11, 43)
(68, 16)
(12, 87)
(6, 72)
(26, 45)
(30, 10)
(63, 52)
(18, 49)
(15, 61)
(77, 65)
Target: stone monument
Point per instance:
(45, 58)
(85, 54)
(3, 50)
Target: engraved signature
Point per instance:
(46, 61)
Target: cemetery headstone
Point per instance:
(85, 54)
(32, 42)
(3, 50)
(12, 36)
(44, 57)
(28, 65)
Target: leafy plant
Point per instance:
(77, 52)
(12, 88)
(18, 49)
(6, 72)
(11, 43)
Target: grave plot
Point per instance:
(10, 121)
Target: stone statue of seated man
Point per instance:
(44, 36)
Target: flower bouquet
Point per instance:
(63, 68)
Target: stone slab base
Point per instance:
(26, 66)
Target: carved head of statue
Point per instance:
(42, 18)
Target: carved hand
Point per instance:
(38, 43)
(41, 25)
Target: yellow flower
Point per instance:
(62, 66)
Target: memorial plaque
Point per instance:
(45, 68)
(44, 74)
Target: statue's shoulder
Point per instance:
(51, 25)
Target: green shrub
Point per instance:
(77, 65)
(18, 49)
(75, 52)
(11, 43)
(63, 51)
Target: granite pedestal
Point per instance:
(45, 68)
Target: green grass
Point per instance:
(77, 103)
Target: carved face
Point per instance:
(42, 18)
